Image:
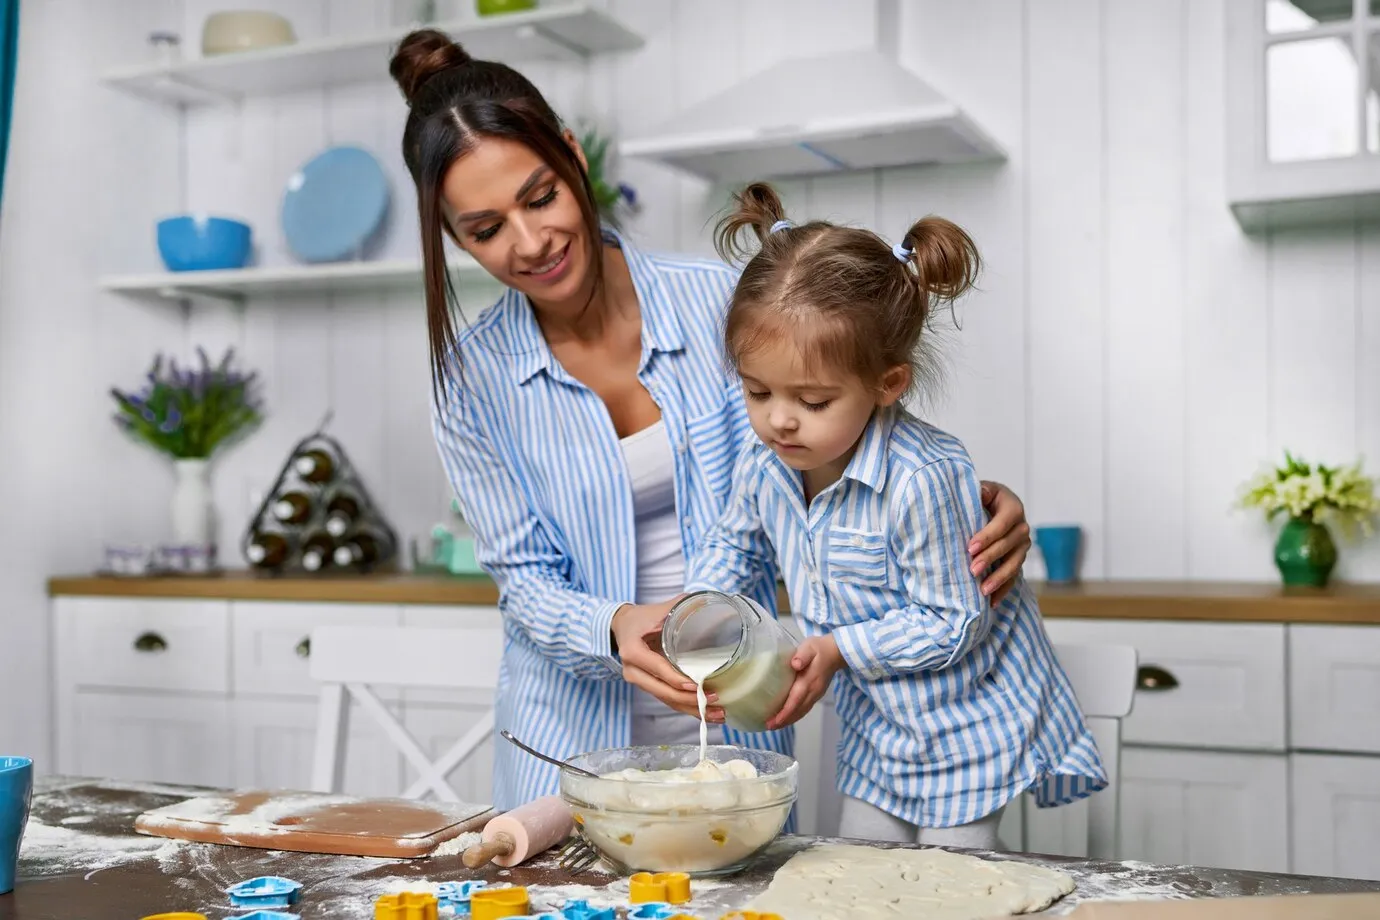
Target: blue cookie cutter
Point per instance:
(652, 910)
(265, 891)
(456, 895)
(580, 910)
(268, 915)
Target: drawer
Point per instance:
(270, 644)
(1334, 688)
(1219, 685)
(148, 644)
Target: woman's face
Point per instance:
(519, 220)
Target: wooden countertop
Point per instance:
(1245, 602)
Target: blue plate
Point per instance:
(334, 204)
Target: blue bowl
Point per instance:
(194, 242)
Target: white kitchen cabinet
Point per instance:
(1303, 143)
(1334, 688)
(160, 738)
(1250, 745)
(274, 741)
(1205, 808)
(213, 692)
(1212, 685)
(1335, 800)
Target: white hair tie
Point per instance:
(781, 225)
(902, 252)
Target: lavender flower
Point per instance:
(190, 412)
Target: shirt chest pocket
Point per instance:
(857, 557)
(714, 449)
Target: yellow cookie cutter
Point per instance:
(175, 916)
(668, 887)
(497, 903)
(406, 905)
(749, 915)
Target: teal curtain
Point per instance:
(9, 54)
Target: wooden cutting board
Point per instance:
(310, 822)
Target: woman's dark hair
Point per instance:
(841, 292)
(456, 101)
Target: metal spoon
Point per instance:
(551, 760)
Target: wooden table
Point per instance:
(82, 861)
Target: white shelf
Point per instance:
(565, 32)
(283, 281)
(854, 110)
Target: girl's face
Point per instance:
(520, 221)
(811, 416)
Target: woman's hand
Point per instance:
(646, 667)
(816, 661)
(1003, 543)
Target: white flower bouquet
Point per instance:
(1314, 492)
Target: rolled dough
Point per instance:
(843, 882)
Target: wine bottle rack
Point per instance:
(318, 519)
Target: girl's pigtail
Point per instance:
(756, 207)
(945, 258)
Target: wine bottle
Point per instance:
(292, 508)
(315, 465)
(360, 551)
(341, 513)
(318, 551)
(267, 550)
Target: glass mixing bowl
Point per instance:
(700, 828)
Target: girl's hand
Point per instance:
(816, 661)
(637, 640)
(1003, 543)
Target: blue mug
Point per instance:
(1059, 545)
(16, 791)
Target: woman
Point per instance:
(587, 420)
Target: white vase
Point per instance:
(193, 515)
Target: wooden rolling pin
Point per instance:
(525, 831)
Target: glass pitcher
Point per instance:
(738, 649)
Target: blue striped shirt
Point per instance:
(948, 707)
(539, 474)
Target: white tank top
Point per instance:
(660, 557)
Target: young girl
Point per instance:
(950, 707)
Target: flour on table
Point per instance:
(843, 882)
(457, 845)
(63, 849)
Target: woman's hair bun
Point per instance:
(422, 55)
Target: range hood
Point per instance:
(809, 116)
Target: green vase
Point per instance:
(1305, 553)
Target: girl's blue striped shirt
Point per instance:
(948, 706)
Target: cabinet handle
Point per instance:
(1153, 678)
(304, 648)
(151, 642)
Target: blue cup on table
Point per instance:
(1059, 546)
(16, 791)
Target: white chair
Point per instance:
(348, 661)
(1104, 680)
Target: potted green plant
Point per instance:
(1311, 495)
(611, 198)
(189, 414)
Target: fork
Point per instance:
(577, 854)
